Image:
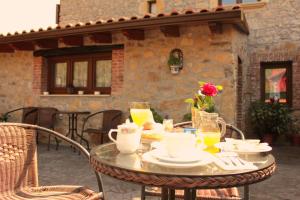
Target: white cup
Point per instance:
(128, 138)
(96, 93)
(179, 144)
(45, 93)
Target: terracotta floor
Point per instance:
(66, 167)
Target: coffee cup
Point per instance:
(128, 138)
(179, 144)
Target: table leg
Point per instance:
(171, 194)
(69, 126)
(246, 192)
(78, 135)
(164, 194)
(189, 194)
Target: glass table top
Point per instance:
(109, 155)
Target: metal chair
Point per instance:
(29, 114)
(110, 120)
(211, 194)
(46, 117)
(18, 166)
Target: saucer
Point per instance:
(260, 148)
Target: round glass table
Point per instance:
(107, 160)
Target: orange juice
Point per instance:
(210, 139)
(140, 116)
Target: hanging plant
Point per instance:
(175, 61)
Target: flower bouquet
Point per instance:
(203, 102)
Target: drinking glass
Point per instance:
(140, 113)
(168, 125)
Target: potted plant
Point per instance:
(203, 101)
(174, 63)
(269, 119)
(294, 133)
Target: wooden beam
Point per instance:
(170, 31)
(134, 34)
(74, 40)
(77, 50)
(216, 27)
(6, 48)
(101, 37)
(47, 43)
(23, 46)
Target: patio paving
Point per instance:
(66, 167)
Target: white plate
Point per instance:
(192, 157)
(148, 157)
(260, 148)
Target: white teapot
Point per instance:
(128, 137)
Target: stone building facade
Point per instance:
(140, 71)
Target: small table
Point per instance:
(73, 115)
(107, 160)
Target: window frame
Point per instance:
(289, 84)
(150, 3)
(236, 2)
(91, 74)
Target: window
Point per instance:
(86, 73)
(228, 2)
(276, 82)
(152, 6)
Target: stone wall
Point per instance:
(73, 11)
(146, 76)
(275, 36)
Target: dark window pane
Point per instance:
(276, 84)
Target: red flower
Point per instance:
(209, 89)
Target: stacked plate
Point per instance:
(194, 159)
(243, 146)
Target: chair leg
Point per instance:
(143, 195)
(246, 192)
(49, 138)
(101, 138)
(37, 137)
(57, 143)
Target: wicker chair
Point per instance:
(205, 194)
(18, 167)
(110, 120)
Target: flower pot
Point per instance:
(268, 138)
(296, 139)
(174, 69)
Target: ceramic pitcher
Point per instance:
(128, 137)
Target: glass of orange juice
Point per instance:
(210, 139)
(140, 113)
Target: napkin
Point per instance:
(232, 162)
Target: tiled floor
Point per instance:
(66, 167)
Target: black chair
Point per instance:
(226, 193)
(47, 118)
(29, 114)
(42, 116)
(110, 120)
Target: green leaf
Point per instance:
(201, 83)
(190, 101)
